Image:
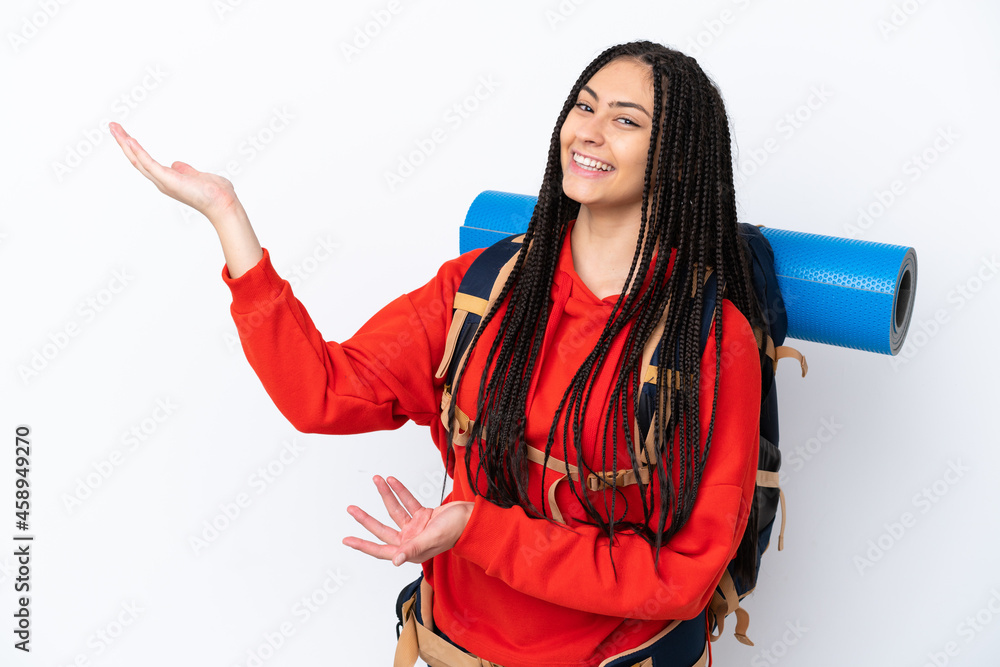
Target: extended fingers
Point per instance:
(381, 551)
(153, 170)
(374, 526)
(389, 551)
(398, 513)
(411, 503)
(126, 141)
(140, 159)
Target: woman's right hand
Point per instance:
(210, 194)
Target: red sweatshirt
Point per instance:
(516, 590)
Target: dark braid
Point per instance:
(688, 205)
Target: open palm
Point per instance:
(210, 194)
(423, 532)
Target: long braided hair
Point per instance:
(687, 204)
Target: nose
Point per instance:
(591, 130)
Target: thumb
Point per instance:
(184, 168)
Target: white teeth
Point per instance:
(588, 163)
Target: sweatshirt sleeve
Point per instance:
(377, 379)
(573, 568)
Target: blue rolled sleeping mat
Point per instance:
(844, 292)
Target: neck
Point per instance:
(603, 244)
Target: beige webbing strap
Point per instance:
(616, 478)
(406, 648)
(644, 451)
(694, 281)
(742, 625)
(771, 354)
(780, 352)
(470, 303)
(783, 351)
(426, 604)
(419, 641)
(449, 344)
(646, 454)
(595, 481)
(726, 601)
(473, 302)
(646, 644)
(673, 377)
(553, 505)
(460, 428)
(437, 652)
(567, 469)
(460, 437)
(770, 480)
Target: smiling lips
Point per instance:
(590, 164)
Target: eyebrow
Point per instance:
(616, 103)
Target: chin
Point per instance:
(578, 192)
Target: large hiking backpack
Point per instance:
(476, 294)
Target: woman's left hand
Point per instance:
(423, 533)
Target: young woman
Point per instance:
(524, 567)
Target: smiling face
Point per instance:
(605, 139)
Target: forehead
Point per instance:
(623, 80)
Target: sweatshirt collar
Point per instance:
(580, 291)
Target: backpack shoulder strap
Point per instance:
(652, 401)
(479, 289)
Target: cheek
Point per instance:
(641, 152)
(565, 134)
(565, 138)
(635, 156)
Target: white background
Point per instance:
(894, 77)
